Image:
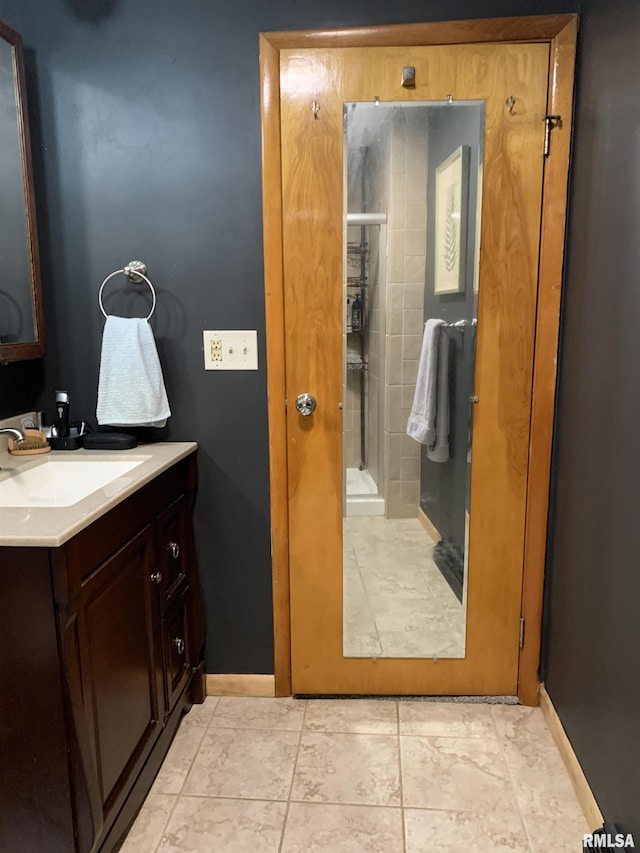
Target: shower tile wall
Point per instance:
(351, 409)
(374, 199)
(405, 315)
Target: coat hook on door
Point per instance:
(315, 109)
(510, 104)
(409, 77)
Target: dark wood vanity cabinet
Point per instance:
(105, 639)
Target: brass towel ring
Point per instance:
(135, 272)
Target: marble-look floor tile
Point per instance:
(429, 830)
(203, 824)
(327, 828)
(364, 716)
(176, 765)
(347, 768)
(521, 723)
(446, 719)
(259, 713)
(200, 715)
(559, 835)
(540, 779)
(148, 827)
(455, 774)
(243, 763)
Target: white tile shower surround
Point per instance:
(396, 602)
(359, 776)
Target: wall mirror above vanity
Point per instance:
(21, 313)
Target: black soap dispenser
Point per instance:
(63, 440)
(62, 414)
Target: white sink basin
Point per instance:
(64, 482)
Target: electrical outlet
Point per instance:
(231, 350)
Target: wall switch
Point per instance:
(237, 350)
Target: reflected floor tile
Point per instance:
(199, 825)
(394, 613)
(322, 828)
(559, 835)
(423, 643)
(542, 785)
(244, 763)
(364, 716)
(521, 723)
(176, 765)
(464, 832)
(456, 774)
(360, 640)
(446, 719)
(391, 583)
(147, 830)
(347, 768)
(259, 713)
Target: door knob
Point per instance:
(156, 577)
(306, 405)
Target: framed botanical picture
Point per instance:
(452, 194)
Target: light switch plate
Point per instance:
(231, 350)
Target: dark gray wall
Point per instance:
(593, 651)
(444, 485)
(146, 125)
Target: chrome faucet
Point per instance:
(14, 433)
(17, 434)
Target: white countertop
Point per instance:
(52, 526)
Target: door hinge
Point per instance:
(521, 632)
(550, 122)
(285, 404)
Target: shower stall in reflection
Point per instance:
(386, 245)
(412, 186)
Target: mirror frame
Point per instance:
(25, 350)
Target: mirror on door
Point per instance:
(413, 177)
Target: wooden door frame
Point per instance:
(560, 32)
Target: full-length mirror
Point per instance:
(413, 190)
(21, 318)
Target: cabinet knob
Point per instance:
(156, 577)
(175, 549)
(179, 644)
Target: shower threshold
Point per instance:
(362, 494)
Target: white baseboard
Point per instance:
(585, 796)
(240, 685)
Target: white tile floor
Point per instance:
(359, 776)
(396, 602)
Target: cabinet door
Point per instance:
(121, 664)
(173, 527)
(177, 649)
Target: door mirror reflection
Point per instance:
(411, 227)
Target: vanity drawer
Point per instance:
(176, 649)
(173, 532)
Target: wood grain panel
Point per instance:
(560, 31)
(579, 781)
(312, 221)
(560, 102)
(274, 311)
(526, 28)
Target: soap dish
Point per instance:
(67, 442)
